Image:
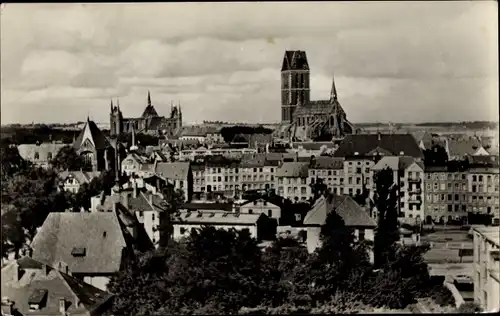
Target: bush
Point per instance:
(469, 308)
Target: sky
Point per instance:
(422, 61)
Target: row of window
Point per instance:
(292, 181)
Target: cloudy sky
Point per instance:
(392, 61)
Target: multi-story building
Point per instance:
(446, 193)
(483, 190)
(357, 174)
(329, 170)
(292, 180)
(408, 173)
(132, 164)
(178, 174)
(199, 186)
(40, 155)
(232, 176)
(216, 171)
(486, 271)
(258, 172)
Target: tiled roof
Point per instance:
(363, 144)
(396, 163)
(173, 170)
(54, 285)
(293, 169)
(93, 134)
(275, 200)
(422, 136)
(80, 176)
(137, 158)
(261, 139)
(149, 111)
(99, 233)
(295, 60)
(350, 211)
(156, 123)
(216, 218)
(258, 160)
(207, 206)
(326, 162)
(150, 167)
(462, 147)
(27, 151)
(315, 108)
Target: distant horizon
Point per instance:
(412, 61)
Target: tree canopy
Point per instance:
(67, 159)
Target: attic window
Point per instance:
(37, 299)
(104, 234)
(78, 252)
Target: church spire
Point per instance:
(333, 93)
(111, 105)
(149, 98)
(118, 103)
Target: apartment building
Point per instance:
(222, 176)
(199, 185)
(258, 172)
(178, 174)
(357, 174)
(408, 173)
(483, 190)
(486, 268)
(446, 195)
(292, 180)
(330, 170)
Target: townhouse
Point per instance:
(486, 268)
(446, 194)
(292, 180)
(132, 163)
(222, 176)
(408, 175)
(483, 187)
(258, 172)
(178, 174)
(330, 170)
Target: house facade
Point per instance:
(40, 155)
(292, 180)
(71, 181)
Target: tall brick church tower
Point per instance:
(295, 89)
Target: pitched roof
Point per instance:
(80, 176)
(99, 233)
(257, 160)
(54, 285)
(326, 162)
(363, 144)
(295, 60)
(27, 151)
(315, 107)
(396, 163)
(173, 170)
(137, 158)
(293, 169)
(219, 218)
(149, 111)
(95, 136)
(344, 205)
(313, 145)
(462, 147)
(241, 138)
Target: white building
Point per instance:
(132, 164)
(71, 181)
(329, 170)
(487, 268)
(261, 206)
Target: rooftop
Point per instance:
(216, 218)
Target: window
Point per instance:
(361, 234)
(358, 170)
(141, 213)
(270, 213)
(474, 188)
(450, 208)
(181, 184)
(183, 230)
(480, 178)
(350, 191)
(449, 197)
(37, 155)
(153, 216)
(474, 178)
(350, 180)
(456, 197)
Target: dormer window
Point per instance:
(37, 299)
(78, 251)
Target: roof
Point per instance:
(489, 233)
(173, 170)
(149, 111)
(137, 158)
(293, 169)
(295, 60)
(208, 218)
(422, 135)
(99, 233)
(315, 107)
(27, 151)
(462, 147)
(394, 144)
(490, 160)
(344, 205)
(396, 163)
(207, 206)
(326, 162)
(275, 200)
(258, 160)
(49, 283)
(260, 139)
(313, 145)
(92, 133)
(80, 176)
(241, 138)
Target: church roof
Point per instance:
(149, 111)
(93, 134)
(295, 60)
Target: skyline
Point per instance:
(438, 58)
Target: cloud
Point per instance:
(391, 61)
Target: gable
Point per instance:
(380, 151)
(414, 167)
(87, 145)
(481, 152)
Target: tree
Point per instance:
(386, 200)
(67, 159)
(10, 160)
(104, 182)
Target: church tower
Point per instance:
(115, 120)
(295, 89)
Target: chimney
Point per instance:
(135, 188)
(150, 199)
(62, 306)
(45, 269)
(379, 136)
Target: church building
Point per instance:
(303, 119)
(149, 122)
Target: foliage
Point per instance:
(10, 160)
(104, 182)
(41, 134)
(318, 188)
(67, 159)
(228, 132)
(386, 202)
(469, 308)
